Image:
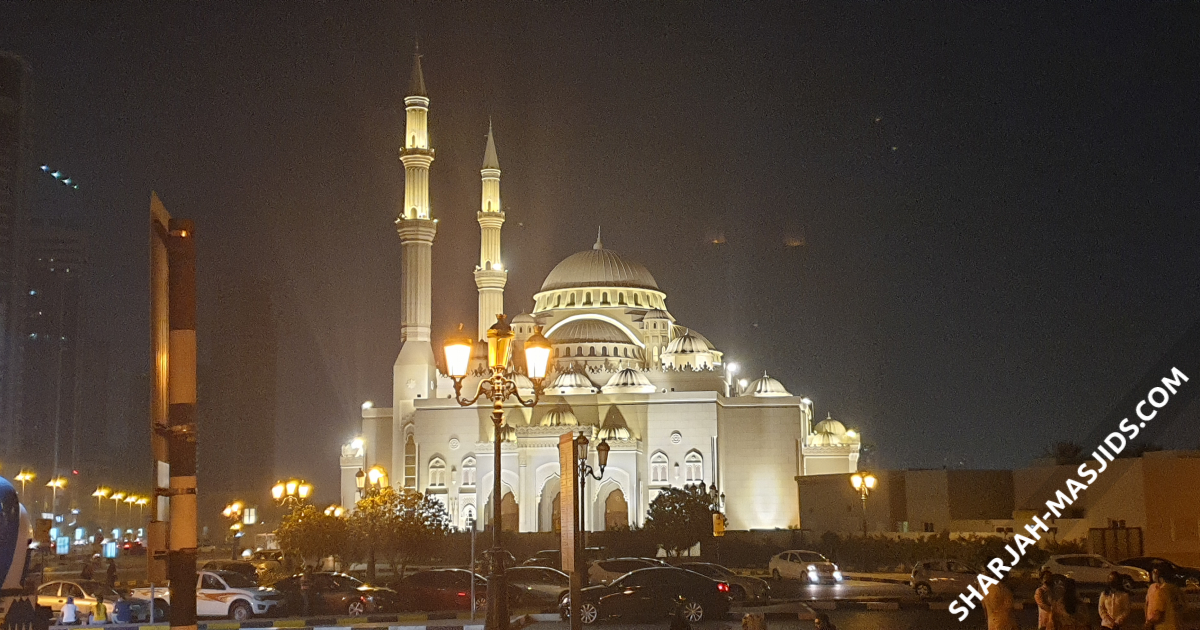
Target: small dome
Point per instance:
(829, 425)
(523, 318)
(825, 439)
(524, 385)
(614, 427)
(656, 313)
(766, 387)
(571, 382)
(588, 331)
(687, 344)
(628, 381)
(560, 416)
(598, 267)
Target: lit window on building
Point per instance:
(658, 468)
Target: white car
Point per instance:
(1089, 568)
(224, 594)
(83, 594)
(807, 566)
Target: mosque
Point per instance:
(623, 369)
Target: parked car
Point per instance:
(245, 569)
(941, 577)
(133, 548)
(605, 571)
(653, 593)
(267, 560)
(54, 594)
(337, 594)
(484, 562)
(809, 566)
(1089, 568)
(741, 587)
(440, 589)
(224, 594)
(1182, 576)
(540, 586)
(551, 558)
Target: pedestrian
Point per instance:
(111, 573)
(89, 571)
(1069, 613)
(998, 606)
(123, 609)
(1114, 603)
(823, 622)
(1164, 602)
(1044, 597)
(69, 615)
(305, 587)
(100, 611)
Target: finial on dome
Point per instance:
(598, 244)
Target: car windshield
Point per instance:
(236, 580)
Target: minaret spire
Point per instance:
(415, 372)
(490, 275)
(598, 244)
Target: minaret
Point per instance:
(490, 275)
(415, 375)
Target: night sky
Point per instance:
(964, 230)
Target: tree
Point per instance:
(401, 526)
(680, 517)
(1065, 453)
(312, 534)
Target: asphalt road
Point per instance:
(872, 591)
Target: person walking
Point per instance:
(1164, 602)
(998, 607)
(70, 613)
(1045, 597)
(100, 611)
(1114, 603)
(111, 574)
(305, 588)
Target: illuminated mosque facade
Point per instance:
(622, 370)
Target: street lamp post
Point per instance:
(291, 493)
(25, 476)
(864, 482)
(55, 485)
(497, 388)
(370, 483)
(233, 512)
(101, 494)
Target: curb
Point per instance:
(314, 623)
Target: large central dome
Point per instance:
(598, 267)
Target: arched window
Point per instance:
(591, 351)
(571, 300)
(414, 140)
(468, 516)
(587, 298)
(694, 467)
(658, 467)
(616, 353)
(578, 351)
(437, 473)
(558, 300)
(468, 472)
(636, 301)
(604, 298)
(410, 463)
(621, 298)
(489, 205)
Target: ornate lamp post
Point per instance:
(292, 492)
(582, 472)
(497, 388)
(864, 482)
(233, 512)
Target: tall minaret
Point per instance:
(490, 275)
(415, 374)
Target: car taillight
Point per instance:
(462, 593)
(723, 587)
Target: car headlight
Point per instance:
(837, 575)
(812, 567)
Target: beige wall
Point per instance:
(759, 451)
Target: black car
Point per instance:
(541, 587)
(335, 594)
(654, 593)
(1171, 572)
(245, 569)
(438, 590)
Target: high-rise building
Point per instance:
(51, 436)
(15, 168)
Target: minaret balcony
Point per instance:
(406, 151)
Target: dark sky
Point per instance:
(996, 205)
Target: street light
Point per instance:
(335, 511)
(864, 482)
(292, 492)
(55, 485)
(25, 476)
(371, 481)
(101, 493)
(233, 512)
(497, 388)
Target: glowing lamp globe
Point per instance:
(500, 337)
(537, 355)
(458, 354)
